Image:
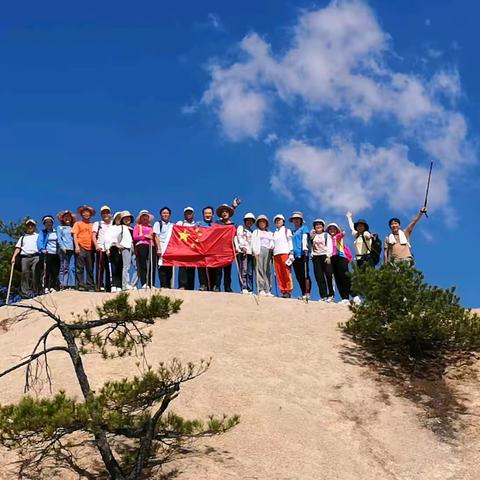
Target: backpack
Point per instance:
(376, 248)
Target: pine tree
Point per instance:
(126, 421)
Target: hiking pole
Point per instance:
(428, 188)
(307, 279)
(151, 265)
(10, 284)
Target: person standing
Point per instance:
(262, 248)
(186, 275)
(397, 244)
(243, 245)
(27, 248)
(301, 252)
(207, 276)
(163, 231)
(225, 213)
(84, 249)
(99, 233)
(362, 241)
(126, 247)
(66, 248)
(283, 256)
(113, 252)
(321, 257)
(143, 237)
(48, 247)
(340, 261)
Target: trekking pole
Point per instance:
(44, 275)
(99, 270)
(307, 279)
(10, 284)
(151, 265)
(428, 187)
(64, 271)
(275, 278)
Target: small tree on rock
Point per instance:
(126, 421)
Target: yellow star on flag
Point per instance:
(184, 235)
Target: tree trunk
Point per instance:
(101, 440)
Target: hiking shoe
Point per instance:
(286, 295)
(345, 301)
(216, 289)
(202, 288)
(357, 300)
(245, 291)
(269, 294)
(330, 300)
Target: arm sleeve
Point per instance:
(305, 241)
(289, 240)
(136, 235)
(156, 228)
(95, 227)
(41, 241)
(61, 243)
(352, 228)
(19, 242)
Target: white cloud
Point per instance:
(342, 176)
(270, 138)
(337, 62)
(214, 21)
(189, 109)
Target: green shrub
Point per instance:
(402, 316)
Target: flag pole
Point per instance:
(428, 188)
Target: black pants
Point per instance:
(364, 260)
(206, 278)
(103, 274)
(226, 272)
(165, 276)
(146, 265)
(50, 265)
(117, 266)
(85, 266)
(301, 268)
(186, 278)
(323, 276)
(340, 272)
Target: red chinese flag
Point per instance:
(200, 246)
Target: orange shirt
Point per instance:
(83, 231)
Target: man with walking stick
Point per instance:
(397, 243)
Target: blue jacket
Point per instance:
(300, 239)
(64, 237)
(203, 223)
(47, 241)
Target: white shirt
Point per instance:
(243, 239)
(262, 239)
(282, 241)
(100, 229)
(118, 235)
(28, 244)
(184, 223)
(163, 233)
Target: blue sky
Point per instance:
(315, 106)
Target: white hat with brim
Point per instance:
(333, 225)
(31, 221)
(145, 212)
(278, 216)
(249, 216)
(126, 214)
(105, 208)
(298, 215)
(264, 218)
(188, 209)
(317, 221)
(116, 216)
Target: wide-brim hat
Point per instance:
(318, 220)
(145, 212)
(296, 215)
(62, 214)
(86, 207)
(262, 217)
(361, 220)
(278, 216)
(249, 216)
(126, 214)
(115, 215)
(225, 206)
(333, 224)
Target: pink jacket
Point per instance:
(139, 233)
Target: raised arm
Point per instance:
(415, 220)
(349, 216)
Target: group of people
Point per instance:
(123, 252)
